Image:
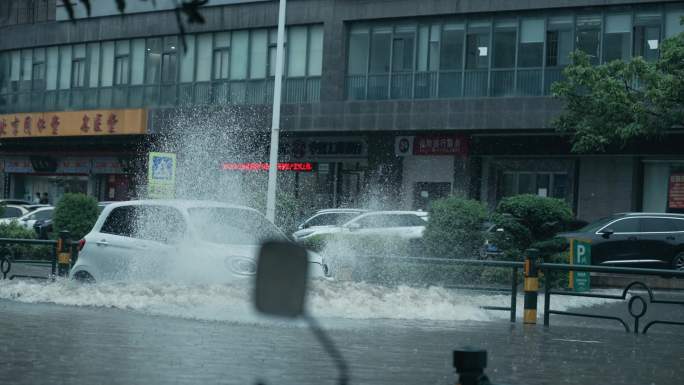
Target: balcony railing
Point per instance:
(505, 82)
(295, 90)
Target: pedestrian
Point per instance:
(36, 200)
(45, 200)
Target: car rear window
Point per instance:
(658, 225)
(11, 212)
(331, 219)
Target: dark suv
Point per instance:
(654, 240)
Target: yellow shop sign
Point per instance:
(74, 123)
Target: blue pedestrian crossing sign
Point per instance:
(161, 175)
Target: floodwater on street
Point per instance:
(145, 333)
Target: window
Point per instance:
(204, 55)
(107, 76)
(374, 221)
(94, 64)
(402, 48)
(64, 67)
(451, 55)
(138, 61)
(120, 221)
(78, 66)
(40, 215)
(51, 74)
(531, 50)
(546, 184)
(559, 43)
(11, 212)
(315, 55)
(618, 37)
(296, 51)
(258, 54)
(187, 61)
(38, 70)
(505, 36)
(331, 219)
(232, 226)
(169, 60)
(658, 225)
(629, 225)
(358, 51)
(159, 223)
(239, 53)
(26, 69)
(380, 50)
(589, 36)
(221, 55)
(153, 63)
(409, 220)
(673, 17)
(477, 45)
(647, 36)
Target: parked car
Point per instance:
(31, 217)
(177, 240)
(10, 212)
(404, 224)
(20, 202)
(636, 240)
(326, 218)
(34, 207)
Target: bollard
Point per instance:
(531, 286)
(63, 254)
(470, 365)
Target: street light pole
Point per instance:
(275, 122)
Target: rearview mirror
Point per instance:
(282, 273)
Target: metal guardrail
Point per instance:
(533, 266)
(514, 266)
(62, 254)
(634, 312)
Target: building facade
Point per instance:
(387, 103)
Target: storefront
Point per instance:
(663, 187)
(429, 165)
(89, 152)
(323, 171)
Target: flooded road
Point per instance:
(172, 335)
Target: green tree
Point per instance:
(614, 103)
(75, 213)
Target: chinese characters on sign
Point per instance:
(676, 192)
(256, 166)
(440, 144)
(74, 123)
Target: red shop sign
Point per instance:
(675, 194)
(440, 145)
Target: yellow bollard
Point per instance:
(531, 286)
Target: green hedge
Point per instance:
(14, 230)
(455, 228)
(75, 213)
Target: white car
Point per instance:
(177, 240)
(30, 218)
(10, 212)
(403, 224)
(326, 218)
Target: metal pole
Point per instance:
(275, 122)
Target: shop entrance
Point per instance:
(27, 186)
(426, 192)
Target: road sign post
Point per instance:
(580, 254)
(161, 175)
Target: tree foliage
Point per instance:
(614, 103)
(75, 213)
(188, 8)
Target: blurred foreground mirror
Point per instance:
(282, 273)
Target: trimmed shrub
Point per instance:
(75, 213)
(455, 228)
(14, 230)
(542, 216)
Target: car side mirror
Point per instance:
(281, 279)
(354, 226)
(606, 233)
(304, 226)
